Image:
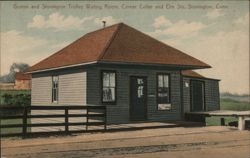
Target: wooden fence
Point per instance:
(102, 112)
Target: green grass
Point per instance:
(215, 120)
(12, 121)
(13, 130)
(228, 104)
(13, 92)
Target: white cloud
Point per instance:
(181, 28)
(109, 20)
(38, 22)
(214, 14)
(242, 21)
(16, 47)
(20, 48)
(161, 21)
(58, 21)
(13, 41)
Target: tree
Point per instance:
(15, 67)
(18, 67)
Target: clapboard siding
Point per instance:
(119, 113)
(212, 96)
(41, 90)
(83, 86)
(186, 94)
(72, 89)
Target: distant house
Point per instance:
(7, 86)
(22, 81)
(136, 76)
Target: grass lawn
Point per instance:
(11, 121)
(13, 130)
(215, 120)
(228, 104)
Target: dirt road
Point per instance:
(207, 142)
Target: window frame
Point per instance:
(101, 89)
(169, 91)
(57, 90)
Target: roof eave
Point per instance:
(183, 67)
(202, 78)
(61, 67)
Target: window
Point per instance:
(186, 84)
(140, 88)
(108, 87)
(54, 88)
(163, 92)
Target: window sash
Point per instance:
(140, 91)
(54, 95)
(108, 87)
(55, 88)
(163, 81)
(163, 89)
(108, 95)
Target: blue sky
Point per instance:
(216, 32)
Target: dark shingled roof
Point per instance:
(118, 43)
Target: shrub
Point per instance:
(7, 98)
(17, 99)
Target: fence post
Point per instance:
(25, 113)
(66, 119)
(222, 121)
(87, 118)
(105, 118)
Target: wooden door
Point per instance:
(197, 96)
(138, 100)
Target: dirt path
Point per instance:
(173, 142)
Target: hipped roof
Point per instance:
(191, 73)
(118, 43)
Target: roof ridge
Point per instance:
(104, 28)
(110, 41)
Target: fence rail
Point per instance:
(27, 114)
